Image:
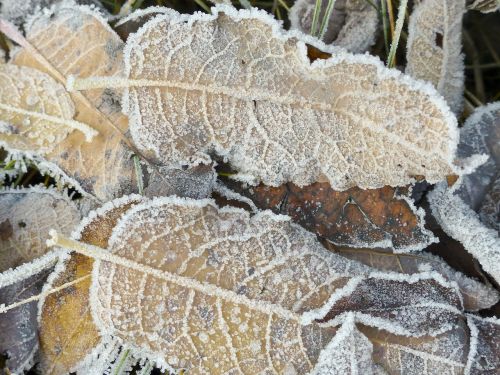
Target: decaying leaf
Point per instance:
(476, 295)
(349, 353)
(36, 112)
(67, 332)
(489, 212)
(18, 12)
(484, 357)
(77, 40)
(434, 48)
(358, 218)
(485, 6)
(442, 354)
(26, 216)
(182, 284)
(18, 327)
(456, 208)
(352, 25)
(248, 91)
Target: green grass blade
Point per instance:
(317, 10)
(326, 18)
(397, 33)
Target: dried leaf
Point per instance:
(77, 40)
(383, 217)
(18, 327)
(434, 48)
(489, 212)
(35, 111)
(349, 353)
(67, 332)
(18, 12)
(183, 284)
(475, 295)
(352, 25)
(485, 6)
(443, 354)
(26, 216)
(257, 92)
(456, 209)
(131, 23)
(484, 356)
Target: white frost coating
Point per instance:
(26, 270)
(349, 353)
(456, 208)
(237, 109)
(227, 193)
(434, 48)
(26, 216)
(353, 23)
(484, 6)
(460, 222)
(138, 13)
(484, 345)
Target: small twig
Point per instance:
(390, 11)
(138, 174)
(385, 25)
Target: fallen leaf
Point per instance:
(67, 331)
(434, 48)
(455, 209)
(18, 326)
(485, 6)
(18, 12)
(384, 217)
(36, 112)
(249, 89)
(353, 23)
(442, 354)
(26, 216)
(484, 356)
(182, 279)
(476, 295)
(489, 212)
(77, 40)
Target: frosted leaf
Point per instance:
(349, 353)
(26, 216)
(353, 23)
(456, 208)
(434, 48)
(484, 355)
(489, 212)
(385, 217)
(18, 327)
(475, 295)
(248, 91)
(18, 12)
(131, 23)
(197, 182)
(485, 6)
(67, 332)
(33, 109)
(443, 354)
(189, 285)
(77, 40)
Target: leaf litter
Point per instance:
(140, 263)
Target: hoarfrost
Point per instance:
(193, 286)
(248, 90)
(485, 6)
(352, 25)
(78, 40)
(484, 354)
(26, 215)
(349, 353)
(456, 208)
(434, 48)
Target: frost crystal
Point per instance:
(434, 48)
(456, 208)
(353, 23)
(26, 215)
(235, 84)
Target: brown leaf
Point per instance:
(77, 40)
(475, 295)
(257, 124)
(443, 354)
(27, 215)
(67, 331)
(484, 357)
(382, 217)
